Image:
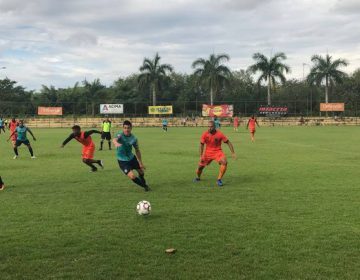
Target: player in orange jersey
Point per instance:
(236, 123)
(252, 128)
(13, 124)
(88, 150)
(213, 138)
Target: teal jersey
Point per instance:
(21, 133)
(164, 122)
(124, 152)
(217, 123)
(1, 122)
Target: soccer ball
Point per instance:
(143, 207)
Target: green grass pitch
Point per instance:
(289, 209)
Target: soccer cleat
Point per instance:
(220, 183)
(15, 157)
(93, 170)
(197, 179)
(2, 187)
(101, 163)
(147, 188)
(33, 157)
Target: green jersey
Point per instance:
(124, 152)
(106, 126)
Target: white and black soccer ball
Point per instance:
(143, 208)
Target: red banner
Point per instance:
(50, 111)
(217, 110)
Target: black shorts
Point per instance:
(106, 135)
(127, 166)
(19, 142)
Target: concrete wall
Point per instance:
(153, 122)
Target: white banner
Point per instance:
(111, 108)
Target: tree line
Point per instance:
(212, 82)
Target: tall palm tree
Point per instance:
(212, 73)
(325, 68)
(270, 69)
(92, 92)
(153, 73)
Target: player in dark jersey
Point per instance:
(2, 185)
(88, 150)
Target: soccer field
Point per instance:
(289, 209)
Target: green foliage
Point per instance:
(212, 74)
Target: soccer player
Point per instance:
(13, 124)
(128, 162)
(88, 150)
(2, 185)
(236, 123)
(213, 138)
(217, 123)
(2, 125)
(105, 133)
(164, 124)
(21, 138)
(251, 126)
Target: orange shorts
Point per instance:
(208, 157)
(88, 152)
(14, 137)
(252, 130)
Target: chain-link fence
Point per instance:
(296, 108)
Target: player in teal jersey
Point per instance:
(164, 124)
(2, 124)
(128, 162)
(21, 131)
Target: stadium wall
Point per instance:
(180, 122)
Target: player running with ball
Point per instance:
(213, 138)
(128, 162)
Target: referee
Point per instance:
(105, 133)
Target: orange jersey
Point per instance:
(213, 141)
(236, 121)
(87, 142)
(252, 123)
(12, 126)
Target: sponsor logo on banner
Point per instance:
(111, 108)
(217, 110)
(160, 110)
(332, 107)
(274, 111)
(50, 111)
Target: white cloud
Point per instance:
(60, 42)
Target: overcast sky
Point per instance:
(55, 42)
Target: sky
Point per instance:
(52, 42)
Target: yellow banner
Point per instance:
(160, 110)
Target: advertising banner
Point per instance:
(160, 110)
(274, 111)
(50, 111)
(332, 107)
(111, 108)
(217, 110)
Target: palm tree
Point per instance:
(270, 69)
(325, 68)
(153, 73)
(92, 92)
(212, 73)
